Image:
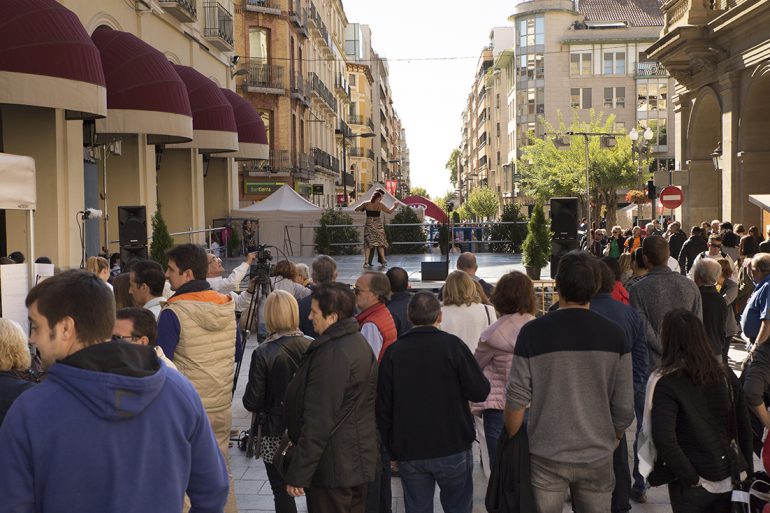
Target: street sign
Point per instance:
(671, 197)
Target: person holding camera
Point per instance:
(216, 272)
(273, 364)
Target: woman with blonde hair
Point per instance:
(624, 261)
(100, 266)
(463, 311)
(14, 358)
(273, 363)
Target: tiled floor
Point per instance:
(251, 485)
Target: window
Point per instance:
(352, 79)
(652, 96)
(531, 31)
(259, 39)
(580, 97)
(580, 64)
(614, 63)
(659, 130)
(614, 97)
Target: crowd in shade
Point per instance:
(119, 397)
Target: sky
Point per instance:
(429, 95)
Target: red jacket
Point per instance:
(619, 293)
(381, 317)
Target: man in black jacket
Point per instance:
(399, 298)
(427, 377)
(676, 238)
(692, 247)
(323, 270)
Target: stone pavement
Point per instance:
(251, 485)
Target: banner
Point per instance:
(391, 186)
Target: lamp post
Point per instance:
(345, 137)
(641, 147)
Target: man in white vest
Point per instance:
(197, 330)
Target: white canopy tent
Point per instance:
(286, 221)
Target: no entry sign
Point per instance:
(671, 197)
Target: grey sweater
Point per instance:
(573, 368)
(661, 291)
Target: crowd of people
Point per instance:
(125, 402)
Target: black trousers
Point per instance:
(337, 500)
(688, 499)
(284, 503)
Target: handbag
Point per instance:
(286, 447)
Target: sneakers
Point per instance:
(639, 496)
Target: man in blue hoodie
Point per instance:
(112, 428)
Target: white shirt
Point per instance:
(154, 306)
(227, 285)
(373, 337)
(467, 322)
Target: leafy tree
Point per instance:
(511, 234)
(329, 234)
(451, 166)
(419, 191)
(416, 234)
(483, 203)
(537, 245)
(464, 213)
(443, 200)
(551, 172)
(161, 239)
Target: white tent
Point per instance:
(286, 221)
(18, 192)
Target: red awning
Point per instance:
(214, 128)
(144, 93)
(48, 60)
(252, 134)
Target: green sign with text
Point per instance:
(261, 188)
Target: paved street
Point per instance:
(252, 488)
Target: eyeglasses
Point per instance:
(715, 245)
(133, 338)
(357, 291)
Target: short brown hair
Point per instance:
(81, 296)
(514, 293)
(727, 269)
(281, 312)
(460, 290)
(286, 269)
(14, 349)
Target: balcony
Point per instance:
(323, 160)
(219, 26)
(342, 87)
(300, 89)
(298, 17)
(263, 78)
(344, 129)
(183, 10)
(263, 6)
(303, 167)
(650, 69)
(370, 154)
(322, 92)
(356, 152)
(318, 29)
(361, 121)
(280, 161)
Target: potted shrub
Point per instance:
(537, 246)
(161, 239)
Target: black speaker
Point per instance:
(564, 221)
(434, 271)
(130, 253)
(132, 226)
(559, 248)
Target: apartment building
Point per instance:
(719, 54)
(131, 104)
(567, 58)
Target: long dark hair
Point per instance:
(686, 348)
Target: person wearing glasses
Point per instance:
(372, 291)
(216, 272)
(138, 326)
(713, 252)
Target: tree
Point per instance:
(419, 191)
(551, 172)
(161, 239)
(537, 245)
(444, 200)
(416, 234)
(512, 235)
(451, 165)
(464, 213)
(483, 203)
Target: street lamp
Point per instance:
(641, 147)
(716, 157)
(345, 137)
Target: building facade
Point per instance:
(719, 54)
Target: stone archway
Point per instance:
(703, 197)
(754, 141)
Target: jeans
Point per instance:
(284, 503)
(639, 483)
(454, 475)
(689, 499)
(621, 493)
(493, 427)
(591, 485)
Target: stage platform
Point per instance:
(350, 267)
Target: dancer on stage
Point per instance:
(374, 229)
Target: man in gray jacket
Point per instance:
(661, 291)
(572, 369)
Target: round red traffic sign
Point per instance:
(671, 197)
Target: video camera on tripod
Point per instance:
(261, 267)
